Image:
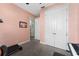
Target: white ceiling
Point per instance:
(33, 8)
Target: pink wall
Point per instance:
(42, 25)
(42, 20)
(73, 23)
(10, 33)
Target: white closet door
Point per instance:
(55, 27)
(37, 29)
(49, 28)
(61, 28)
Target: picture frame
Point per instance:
(22, 24)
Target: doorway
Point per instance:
(32, 28)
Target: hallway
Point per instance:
(34, 48)
(54, 28)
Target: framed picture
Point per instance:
(22, 24)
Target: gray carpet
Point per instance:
(34, 48)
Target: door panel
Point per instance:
(37, 34)
(49, 28)
(55, 27)
(61, 30)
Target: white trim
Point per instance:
(42, 42)
(23, 42)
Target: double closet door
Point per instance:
(56, 27)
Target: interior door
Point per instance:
(49, 28)
(61, 28)
(37, 34)
(55, 27)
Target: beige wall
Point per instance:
(10, 33)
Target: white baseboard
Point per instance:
(23, 42)
(42, 42)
